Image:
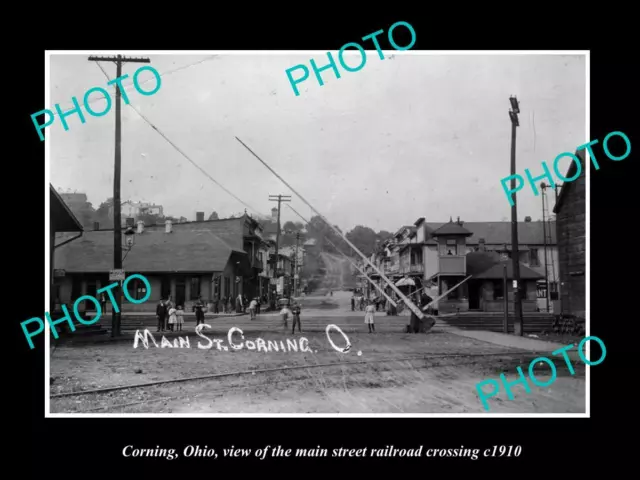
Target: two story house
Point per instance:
(437, 255)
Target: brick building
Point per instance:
(570, 213)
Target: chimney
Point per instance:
(140, 226)
(481, 245)
(199, 216)
(527, 219)
(167, 226)
(130, 222)
(274, 214)
(96, 225)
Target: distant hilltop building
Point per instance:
(135, 210)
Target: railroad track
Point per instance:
(266, 375)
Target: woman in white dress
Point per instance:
(173, 319)
(370, 313)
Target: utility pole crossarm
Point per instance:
(119, 58)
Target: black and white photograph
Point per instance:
(279, 234)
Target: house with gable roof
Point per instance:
(213, 259)
(437, 255)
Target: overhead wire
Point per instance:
(204, 172)
(349, 259)
(391, 284)
(127, 88)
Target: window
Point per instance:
(534, 260)
(553, 290)
(141, 289)
(452, 247)
(498, 289)
(195, 288)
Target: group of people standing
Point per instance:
(169, 316)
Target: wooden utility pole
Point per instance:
(295, 267)
(117, 226)
(518, 324)
(505, 321)
(543, 187)
(279, 199)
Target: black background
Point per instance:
(92, 447)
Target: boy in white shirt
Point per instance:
(286, 315)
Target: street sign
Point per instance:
(59, 272)
(515, 284)
(117, 275)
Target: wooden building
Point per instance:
(570, 210)
(62, 221)
(213, 259)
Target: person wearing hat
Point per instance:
(296, 318)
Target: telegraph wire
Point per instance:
(127, 88)
(182, 153)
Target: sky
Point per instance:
(413, 135)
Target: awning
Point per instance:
(406, 281)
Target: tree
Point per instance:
(290, 226)
(384, 235)
(84, 212)
(213, 216)
(364, 238)
(102, 214)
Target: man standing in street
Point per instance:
(296, 319)
(199, 311)
(161, 313)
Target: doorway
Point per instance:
(474, 295)
(180, 291)
(165, 287)
(92, 289)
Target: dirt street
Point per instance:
(434, 373)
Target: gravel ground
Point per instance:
(419, 385)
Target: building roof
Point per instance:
(499, 233)
(230, 230)
(451, 228)
(65, 220)
(402, 229)
(182, 250)
(489, 266)
(566, 186)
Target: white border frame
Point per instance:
(47, 97)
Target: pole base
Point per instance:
(517, 329)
